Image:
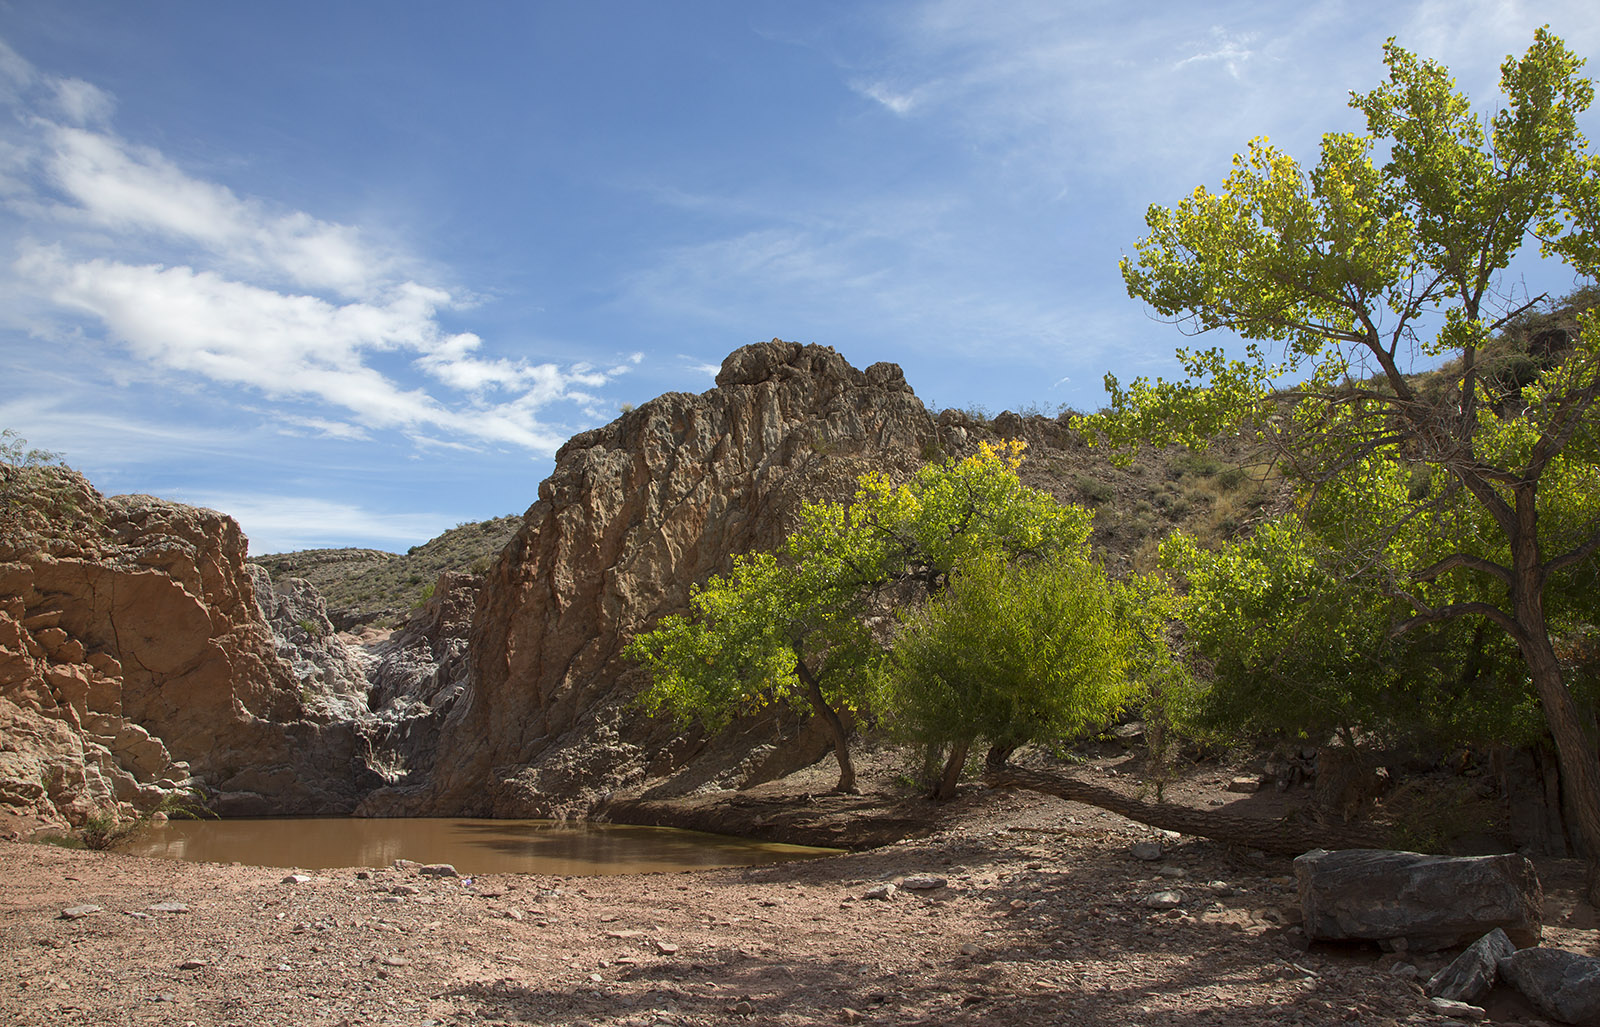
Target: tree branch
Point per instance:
(1473, 563)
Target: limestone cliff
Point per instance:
(133, 655)
(633, 515)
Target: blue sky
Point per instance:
(353, 272)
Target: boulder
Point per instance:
(1470, 976)
(1564, 985)
(1425, 902)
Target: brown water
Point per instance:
(472, 846)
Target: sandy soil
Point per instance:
(1041, 920)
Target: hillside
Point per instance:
(370, 586)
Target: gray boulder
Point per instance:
(1473, 973)
(1424, 902)
(1564, 985)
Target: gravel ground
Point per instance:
(1041, 919)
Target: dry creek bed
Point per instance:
(1041, 918)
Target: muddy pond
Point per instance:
(562, 848)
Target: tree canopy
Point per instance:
(791, 626)
(1387, 254)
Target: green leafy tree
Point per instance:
(1010, 653)
(790, 627)
(1350, 271)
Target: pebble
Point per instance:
(971, 949)
(440, 870)
(1163, 900)
(297, 879)
(848, 1015)
(879, 891)
(923, 882)
(1245, 785)
(1146, 850)
(744, 1007)
(666, 948)
(78, 912)
(168, 907)
(1172, 872)
(403, 889)
(192, 964)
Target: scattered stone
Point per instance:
(1429, 902)
(1562, 984)
(1019, 904)
(1405, 971)
(1447, 1007)
(883, 891)
(848, 1015)
(404, 889)
(971, 949)
(439, 870)
(923, 882)
(1164, 900)
(1245, 785)
(297, 879)
(744, 1007)
(192, 964)
(168, 907)
(625, 935)
(362, 875)
(1176, 872)
(78, 912)
(395, 961)
(666, 948)
(407, 864)
(513, 914)
(1147, 850)
(1473, 973)
(137, 915)
(1221, 889)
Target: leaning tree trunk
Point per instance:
(1285, 835)
(946, 789)
(830, 717)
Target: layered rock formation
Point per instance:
(634, 514)
(133, 654)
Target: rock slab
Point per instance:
(1428, 902)
(1472, 973)
(1562, 984)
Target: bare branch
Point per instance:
(1473, 563)
(1430, 615)
(1572, 556)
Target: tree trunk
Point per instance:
(1575, 752)
(999, 755)
(830, 717)
(952, 770)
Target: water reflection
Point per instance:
(473, 846)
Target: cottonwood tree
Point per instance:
(1394, 248)
(791, 626)
(1011, 652)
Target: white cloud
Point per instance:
(1229, 50)
(280, 524)
(115, 241)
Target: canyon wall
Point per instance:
(135, 663)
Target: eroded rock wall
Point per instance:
(133, 655)
(634, 514)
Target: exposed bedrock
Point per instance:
(634, 514)
(135, 663)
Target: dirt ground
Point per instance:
(1041, 919)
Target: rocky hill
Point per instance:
(140, 653)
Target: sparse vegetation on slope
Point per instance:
(370, 586)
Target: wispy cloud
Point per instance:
(279, 524)
(115, 239)
(1225, 48)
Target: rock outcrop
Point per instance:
(634, 514)
(134, 662)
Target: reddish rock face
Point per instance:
(132, 654)
(634, 514)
